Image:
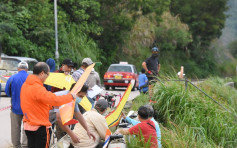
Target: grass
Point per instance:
(190, 119)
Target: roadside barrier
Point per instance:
(5, 108)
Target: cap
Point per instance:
(22, 65)
(68, 62)
(88, 61)
(155, 49)
(102, 104)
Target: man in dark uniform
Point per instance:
(152, 67)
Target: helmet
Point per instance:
(155, 49)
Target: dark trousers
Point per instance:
(39, 138)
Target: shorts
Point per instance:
(152, 78)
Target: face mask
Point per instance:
(154, 55)
(78, 99)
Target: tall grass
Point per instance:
(197, 115)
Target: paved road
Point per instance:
(5, 128)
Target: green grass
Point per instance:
(190, 119)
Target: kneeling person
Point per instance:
(96, 124)
(146, 128)
(60, 132)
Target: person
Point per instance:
(36, 102)
(145, 128)
(13, 90)
(152, 67)
(85, 63)
(96, 123)
(75, 67)
(151, 113)
(65, 128)
(143, 81)
(51, 63)
(93, 79)
(77, 74)
(66, 68)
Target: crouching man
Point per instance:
(96, 124)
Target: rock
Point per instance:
(231, 84)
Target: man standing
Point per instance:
(93, 79)
(66, 68)
(77, 74)
(152, 67)
(85, 63)
(36, 102)
(13, 90)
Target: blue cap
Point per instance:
(155, 49)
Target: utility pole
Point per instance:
(56, 32)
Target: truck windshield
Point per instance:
(9, 64)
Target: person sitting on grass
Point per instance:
(151, 113)
(144, 129)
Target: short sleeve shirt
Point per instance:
(152, 64)
(148, 130)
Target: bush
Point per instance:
(198, 114)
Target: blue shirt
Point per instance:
(142, 81)
(158, 133)
(13, 90)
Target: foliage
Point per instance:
(118, 17)
(204, 118)
(111, 31)
(28, 29)
(233, 48)
(189, 118)
(205, 22)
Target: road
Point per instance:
(5, 127)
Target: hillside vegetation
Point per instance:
(190, 119)
(120, 30)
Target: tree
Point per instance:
(205, 18)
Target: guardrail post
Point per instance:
(186, 83)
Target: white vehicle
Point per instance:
(8, 67)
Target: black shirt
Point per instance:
(152, 64)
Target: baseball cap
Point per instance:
(68, 62)
(155, 49)
(87, 61)
(22, 65)
(102, 104)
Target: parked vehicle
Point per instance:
(120, 75)
(8, 67)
